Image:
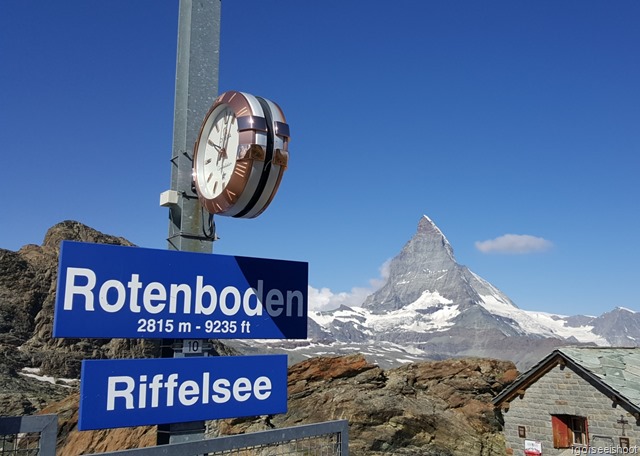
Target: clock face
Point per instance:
(240, 155)
(217, 163)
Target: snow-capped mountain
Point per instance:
(433, 307)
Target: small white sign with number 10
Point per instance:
(192, 346)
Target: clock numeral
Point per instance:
(231, 195)
(241, 169)
(242, 112)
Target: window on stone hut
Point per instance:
(569, 430)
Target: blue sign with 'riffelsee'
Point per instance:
(136, 392)
(107, 291)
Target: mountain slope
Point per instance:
(433, 307)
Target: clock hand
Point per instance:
(226, 142)
(224, 138)
(220, 149)
(223, 133)
(228, 121)
(214, 145)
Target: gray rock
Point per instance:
(427, 408)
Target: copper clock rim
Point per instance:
(245, 167)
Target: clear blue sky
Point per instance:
(493, 118)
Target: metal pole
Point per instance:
(196, 89)
(197, 65)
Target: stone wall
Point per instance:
(563, 391)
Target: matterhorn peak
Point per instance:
(426, 257)
(428, 229)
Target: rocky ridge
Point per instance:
(27, 293)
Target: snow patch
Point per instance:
(439, 316)
(626, 309)
(34, 372)
(540, 323)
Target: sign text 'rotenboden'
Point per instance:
(135, 392)
(114, 291)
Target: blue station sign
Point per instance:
(136, 392)
(107, 291)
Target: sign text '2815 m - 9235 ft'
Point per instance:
(107, 291)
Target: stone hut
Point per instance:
(577, 400)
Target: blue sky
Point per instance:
(493, 118)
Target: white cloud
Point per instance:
(384, 275)
(324, 299)
(514, 243)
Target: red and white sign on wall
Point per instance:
(532, 448)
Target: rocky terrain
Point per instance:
(429, 408)
(27, 294)
(420, 408)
